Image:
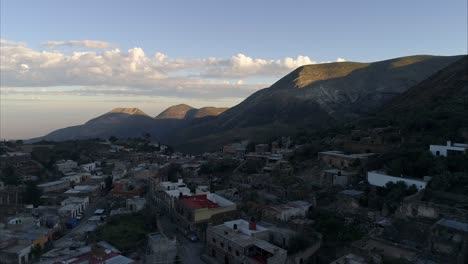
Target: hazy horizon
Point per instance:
(65, 63)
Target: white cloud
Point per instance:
(340, 60)
(112, 71)
(79, 43)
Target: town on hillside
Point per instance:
(357, 196)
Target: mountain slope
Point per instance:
(435, 110)
(120, 122)
(133, 122)
(183, 111)
(312, 96)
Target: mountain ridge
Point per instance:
(312, 96)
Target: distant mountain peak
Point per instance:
(128, 111)
(175, 112)
(184, 111)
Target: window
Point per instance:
(229, 248)
(222, 244)
(214, 240)
(237, 253)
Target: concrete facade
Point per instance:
(379, 179)
(230, 244)
(448, 149)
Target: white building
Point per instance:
(449, 149)
(66, 165)
(379, 179)
(136, 204)
(54, 186)
(239, 242)
(76, 177)
(89, 167)
(81, 202)
(161, 249)
(285, 212)
(202, 189)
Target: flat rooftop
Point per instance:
(52, 183)
(243, 226)
(198, 202)
(344, 155)
(453, 224)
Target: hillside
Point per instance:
(435, 110)
(183, 111)
(133, 122)
(312, 97)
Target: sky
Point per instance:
(65, 62)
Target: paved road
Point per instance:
(67, 239)
(188, 251)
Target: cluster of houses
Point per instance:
(248, 217)
(64, 202)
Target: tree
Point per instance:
(36, 251)
(108, 182)
(32, 194)
(9, 176)
(112, 139)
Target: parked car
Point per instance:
(193, 237)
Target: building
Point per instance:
(348, 201)
(54, 186)
(236, 150)
(350, 259)
(193, 213)
(91, 191)
(76, 178)
(379, 179)
(161, 249)
(13, 251)
(384, 251)
(333, 177)
(239, 241)
(101, 252)
(262, 148)
(343, 161)
(449, 149)
(135, 204)
(73, 206)
(14, 158)
(449, 241)
(88, 167)
(65, 166)
(285, 212)
(170, 191)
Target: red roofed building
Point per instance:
(193, 213)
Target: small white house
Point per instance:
(136, 204)
(379, 179)
(88, 167)
(449, 149)
(66, 165)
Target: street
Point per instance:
(67, 239)
(188, 251)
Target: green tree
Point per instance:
(108, 182)
(36, 251)
(32, 194)
(9, 175)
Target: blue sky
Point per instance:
(150, 54)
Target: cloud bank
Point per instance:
(113, 71)
(79, 43)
